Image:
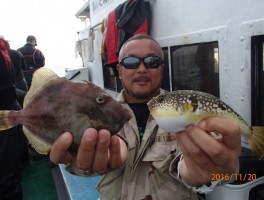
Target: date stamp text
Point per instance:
(234, 177)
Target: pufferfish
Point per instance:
(54, 105)
(175, 110)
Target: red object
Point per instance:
(4, 47)
(130, 18)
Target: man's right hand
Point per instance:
(98, 151)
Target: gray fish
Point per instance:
(54, 105)
(173, 111)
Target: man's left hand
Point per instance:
(203, 155)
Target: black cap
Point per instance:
(31, 38)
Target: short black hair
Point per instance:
(139, 37)
(31, 38)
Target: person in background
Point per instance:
(143, 161)
(21, 84)
(12, 141)
(33, 58)
(18, 62)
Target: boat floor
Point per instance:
(37, 180)
(43, 180)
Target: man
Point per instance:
(33, 57)
(142, 162)
(17, 62)
(12, 141)
(21, 84)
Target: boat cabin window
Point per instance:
(109, 78)
(165, 82)
(257, 80)
(195, 67)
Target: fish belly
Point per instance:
(172, 124)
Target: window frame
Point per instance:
(257, 43)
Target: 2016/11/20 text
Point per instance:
(234, 177)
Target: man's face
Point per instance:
(142, 83)
(35, 43)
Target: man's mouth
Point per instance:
(142, 79)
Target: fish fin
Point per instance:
(256, 141)
(189, 107)
(39, 145)
(40, 77)
(5, 123)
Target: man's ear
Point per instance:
(119, 69)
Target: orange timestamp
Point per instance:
(233, 177)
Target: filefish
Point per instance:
(175, 110)
(54, 105)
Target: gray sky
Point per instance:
(54, 24)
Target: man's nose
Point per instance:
(142, 66)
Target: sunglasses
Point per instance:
(132, 62)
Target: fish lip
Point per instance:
(130, 114)
(115, 130)
(150, 102)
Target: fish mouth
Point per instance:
(123, 121)
(129, 114)
(115, 130)
(150, 103)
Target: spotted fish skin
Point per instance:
(194, 106)
(175, 110)
(61, 105)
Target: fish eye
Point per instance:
(100, 99)
(160, 98)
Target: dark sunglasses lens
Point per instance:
(152, 62)
(130, 62)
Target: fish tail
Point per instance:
(5, 122)
(256, 141)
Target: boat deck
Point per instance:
(42, 180)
